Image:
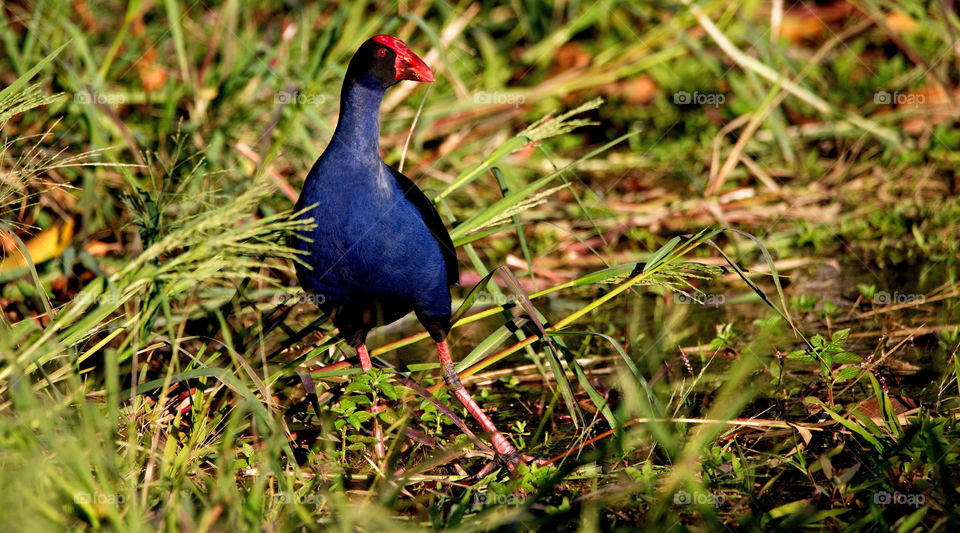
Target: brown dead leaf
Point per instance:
(86, 16)
(152, 76)
(137, 26)
(100, 248)
(901, 404)
(935, 100)
(640, 90)
(800, 29)
(900, 22)
(7, 243)
(806, 22)
(805, 433)
(570, 56)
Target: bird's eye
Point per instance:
(382, 52)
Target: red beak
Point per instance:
(411, 67)
(408, 65)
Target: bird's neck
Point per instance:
(358, 128)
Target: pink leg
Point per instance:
(379, 448)
(500, 443)
(365, 363)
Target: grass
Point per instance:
(709, 268)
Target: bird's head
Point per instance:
(386, 60)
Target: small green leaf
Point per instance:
(357, 419)
(800, 355)
(847, 358)
(389, 391)
(841, 336)
(663, 252)
(849, 372)
(358, 386)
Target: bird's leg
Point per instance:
(364, 355)
(366, 365)
(500, 443)
(379, 448)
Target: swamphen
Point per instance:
(380, 249)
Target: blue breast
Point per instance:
(370, 242)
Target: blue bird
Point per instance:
(380, 249)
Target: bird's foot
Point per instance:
(510, 461)
(506, 453)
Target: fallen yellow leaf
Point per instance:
(42, 247)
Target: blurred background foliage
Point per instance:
(152, 151)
